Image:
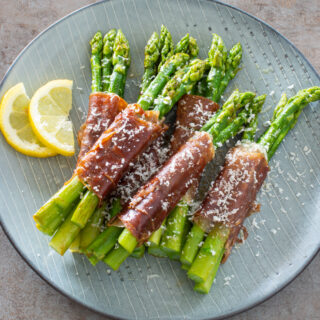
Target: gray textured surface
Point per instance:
(28, 297)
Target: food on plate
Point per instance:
(15, 124)
(223, 67)
(132, 188)
(49, 116)
(232, 196)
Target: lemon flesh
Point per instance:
(48, 114)
(15, 124)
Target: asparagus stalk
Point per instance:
(209, 254)
(247, 115)
(65, 235)
(183, 44)
(166, 46)
(285, 117)
(106, 240)
(121, 62)
(283, 121)
(179, 85)
(85, 209)
(172, 238)
(92, 228)
(51, 215)
(154, 242)
(217, 57)
(75, 245)
(106, 62)
(116, 257)
(96, 50)
(205, 286)
(192, 245)
(151, 58)
(158, 83)
(232, 68)
(138, 252)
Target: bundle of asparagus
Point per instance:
(107, 104)
(150, 206)
(107, 239)
(237, 185)
(223, 68)
(170, 73)
(167, 99)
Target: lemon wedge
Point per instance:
(48, 113)
(15, 125)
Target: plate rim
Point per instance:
(75, 299)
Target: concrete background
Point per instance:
(23, 294)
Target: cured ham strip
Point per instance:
(192, 113)
(154, 201)
(103, 108)
(131, 132)
(231, 198)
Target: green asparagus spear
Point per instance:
(138, 252)
(282, 121)
(172, 238)
(179, 85)
(183, 44)
(92, 228)
(193, 49)
(151, 58)
(281, 104)
(157, 84)
(106, 62)
(217, 57)
(232, 68)
(166, 46)
(65, 235)
(96, 50)
(106, 240)
(209, 254)
(115, 258)
(85, 209)
(154, 242)
(252, 121)
(121, 62)
(52, 214)
(285, 117)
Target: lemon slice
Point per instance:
(15, 125)
(48, 114)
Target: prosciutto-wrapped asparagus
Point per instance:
(193, 110)
(103, 108)
(223, 68)
(232, 196)
(150, 206)
(168, 97)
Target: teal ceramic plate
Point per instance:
(283, 237)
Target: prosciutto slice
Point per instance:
(232, 196)
(154, 201)
(103, 108)
(131, 132)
